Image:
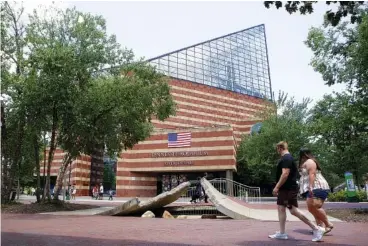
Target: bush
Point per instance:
(341, 196)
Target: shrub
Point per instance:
(341, 196)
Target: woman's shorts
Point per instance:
(317, 193)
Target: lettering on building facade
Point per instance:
(179, 154)
(178, 163)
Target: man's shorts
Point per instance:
(287, 198)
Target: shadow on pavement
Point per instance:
(308, 232)
(290, 242)
(24, 239)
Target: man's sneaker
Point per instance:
(318, 234)
(279, 235)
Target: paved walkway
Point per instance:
(263, 212)
(51, 230)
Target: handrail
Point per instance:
(234, 182)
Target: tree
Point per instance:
(333, 122)
(288, 123)
(88, 108)
(341, 56)
(66, 48)
(14, 77)
(71, 82)
(344, 9)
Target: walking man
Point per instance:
(286, 191)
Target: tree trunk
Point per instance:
(37, 160)
(18, 185)
(61, 175)
(51, 152)
(17, 155)
(44, 168)
(14, 160)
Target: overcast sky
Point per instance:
(155, 28)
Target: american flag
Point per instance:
(176, 140)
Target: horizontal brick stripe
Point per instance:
(138, 156)
(196, 164)
(194, 130)
(194, 140)
(182, 99)
(76, 161)
(209, 143)
(51, 174)
(223, 114)
(180, 168)
(214, 92)
(212, 109)
(181, 149)
(192, 118)
(131, 187)
(136, 178)
(187, 158)
(136, 193)
(86, 179)
(178, 123)
(82, 187)
(199, 113)
(174, 123)
(217, 104)
(81, 170)
(196, 133)
(58, 155)
(135, 183)
(134, 175)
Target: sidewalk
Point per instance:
(39, 229)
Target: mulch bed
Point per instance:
(349, 215)
(34, 208)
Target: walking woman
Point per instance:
(314, 187)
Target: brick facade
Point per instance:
(215, 117)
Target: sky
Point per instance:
(154, 28)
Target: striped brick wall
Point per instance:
(217, 119)
(212, 149)
(56, 163)
(85, 171)
(202, 106)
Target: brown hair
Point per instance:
(306, 153)
(282, 145)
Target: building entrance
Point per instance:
(168, 181)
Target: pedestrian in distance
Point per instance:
(110, 195)
(101, 192)
(74, 192)
(286, 191)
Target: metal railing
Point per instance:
(237, 190)
(230, 188)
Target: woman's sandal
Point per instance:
(329, 229)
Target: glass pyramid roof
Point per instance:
(236, 62)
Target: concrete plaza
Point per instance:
(102, 230)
